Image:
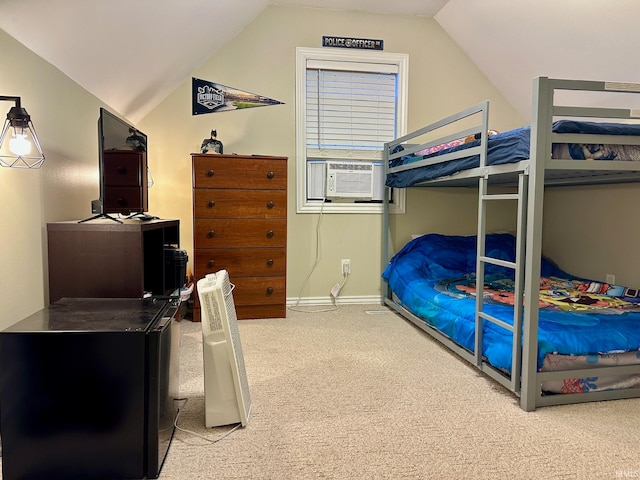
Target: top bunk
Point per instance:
(567, 143)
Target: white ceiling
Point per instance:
(514, 41)
(511, 41)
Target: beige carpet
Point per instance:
(354, 395)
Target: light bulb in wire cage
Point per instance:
(20, 144)
(18, 139)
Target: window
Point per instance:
(348, 105)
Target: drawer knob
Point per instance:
(122, 170)
(269, 291)
(270, 204)
(211, 263)
(270, 175)
(211, 234)
(209, 173)
(270, 234)
(211, 203)
(270, 262)
(122, 202)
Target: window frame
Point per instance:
(345, 56)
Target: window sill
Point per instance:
(351, 208)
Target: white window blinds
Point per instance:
(349, 112)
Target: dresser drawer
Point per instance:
(220, 203)
(124, 199)
(214, 171)
(259, 262)
(244, 312)
(259, 290)
(124, 168)
(217, 233)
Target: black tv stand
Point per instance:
(100, 215)
(130, 257)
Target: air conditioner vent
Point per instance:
(349, 179)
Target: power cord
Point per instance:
(335, 291)
(190, 432)
(315, 264)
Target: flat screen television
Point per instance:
(122, 153)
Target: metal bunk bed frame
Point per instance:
(529, 178)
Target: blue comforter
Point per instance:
(507, 147)
(433, 276)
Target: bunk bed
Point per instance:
(556, 350)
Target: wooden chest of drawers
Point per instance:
(125, 181)
(240, 225)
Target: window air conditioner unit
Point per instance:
(226, 390)
(352, 179)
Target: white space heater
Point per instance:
(352, 179)
(226, 390)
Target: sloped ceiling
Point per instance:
(129, 53)
(513, 41)
(110, 46)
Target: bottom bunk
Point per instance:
(588, 345)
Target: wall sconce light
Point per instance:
(20, 148)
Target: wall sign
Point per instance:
(210, 97)
(350, 42)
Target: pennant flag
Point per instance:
(210, 97)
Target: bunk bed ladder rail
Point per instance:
(512, 382)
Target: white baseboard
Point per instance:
(341, 300)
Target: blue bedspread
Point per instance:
(433, 276)
(506, 147)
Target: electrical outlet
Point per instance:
(346, 266)
(610, 278)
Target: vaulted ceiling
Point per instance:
(511, 41)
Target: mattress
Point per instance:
(433, 277)
(596, 383)
(512, 147)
